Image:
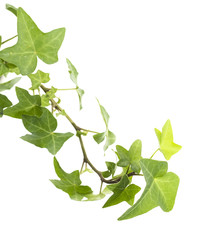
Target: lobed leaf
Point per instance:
(70, 183)
(38, 78)
(165, 139)
(32, 43)
(161, 189)
(43, 134)
(4, 102)
(28, 105)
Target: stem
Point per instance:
(9, 39)
(64, 89)
(85, 160)
(154, 153)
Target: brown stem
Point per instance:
(86, 160)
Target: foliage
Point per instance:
(38, 113)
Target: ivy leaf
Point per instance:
(28, 105)
(8, 85)
(135, 155)
(111, 166)
(38, 78)
(110, 136)
(70, 183)
(6, 68)
(165, 139)
(43, 134)
(45, 98)
(0, 42)
(4, 102)
(122, 192)
(161, 189)
(32, 43)
(74, 77)
(123, 156)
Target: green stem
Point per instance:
(9, 39)
(154, 153)
(64, 89)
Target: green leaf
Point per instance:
(4, 102)
(110, 139)
(38, 78)
(135, 155)
(167, 146)
(70, 183)
(99, 137)
(43, 134)
(32, 43)
(122, 192)
(111, 166)
(0, 43)
(124, 158)
(8, 85)
(73, 72)
(28, 105)
(6, 68)
(45, 98)
(161, 189)
(104, 114)
(80, 93)
(12, 9)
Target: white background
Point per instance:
(146, 61)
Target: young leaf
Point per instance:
(135, 155)
(74, 77)
(8, 85)
(32, 43)
(12, 9)
(110, 139)
(28, 105)
(38, 78)
(104, 114)
(122, 192)
(111, 170)
(73, 72)
(45, 98)
(43, 134)
(161, 189)
(167, 146)
(70, 183)
(99, 137)
(4, 102)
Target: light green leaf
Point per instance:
(167, 146)
(161, 189)
(70, 183)
(4, 102)
(45, 98)
(12, 9)
(32, 43)
(122, 192)
(8, 85)
(110, 139)
(43, 134)
(80, 93)
(73, 72)
(38, 78)
(111, 166)
(94, 197)
(6, 68)
(0, 43)
(28, 105)
(135, 155)
(104, 114)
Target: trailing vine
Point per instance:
(39, 107)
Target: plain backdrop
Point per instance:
(146, 61)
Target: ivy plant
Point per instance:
(38, 108)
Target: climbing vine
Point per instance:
(38, 108)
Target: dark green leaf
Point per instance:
(38, 78)
(70, 183)
(43, 134)
(28, 105)
(161, 189)
(12, 9)
(4, 102)
(32, 43)
(122, 192)
(8, 85)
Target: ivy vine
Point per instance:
(39, 107)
